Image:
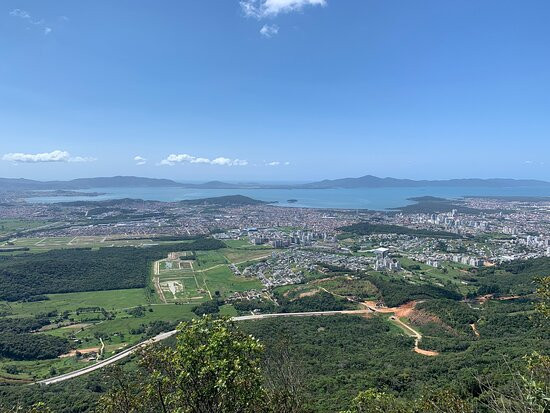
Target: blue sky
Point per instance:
(274, 90)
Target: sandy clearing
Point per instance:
(81, 351)
(404, 310)
(173, 286)
(308, 293)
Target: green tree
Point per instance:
(543, 291)
(213, 368)
(443, 401)
(283, 375)
(529, 390)
(373, 401)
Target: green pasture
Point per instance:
(223, 280)
(43, 244)
(8, 226)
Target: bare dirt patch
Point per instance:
(474, 328)
(308, 293)
(430, 353)
(406, 311)
(173, 286)
(81, 351)
(78, 325)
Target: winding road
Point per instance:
(370, 308)
(163, 336)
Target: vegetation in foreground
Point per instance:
(337, 358)
(216, 367)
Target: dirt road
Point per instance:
(156, 281)
(403, 311)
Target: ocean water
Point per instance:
(356, 198)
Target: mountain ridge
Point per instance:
(366, 181)
(371, 181)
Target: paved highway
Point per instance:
(163, 336)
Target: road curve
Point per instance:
(163, 336)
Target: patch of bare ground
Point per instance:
(78, 325)
(81, 351)
(403, 311)
(308, 293)
(421, 318)
(430, 353)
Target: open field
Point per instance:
(109, 300)
(43, 244)
(8, 226)
(450, 273)
(193, 281)
(223, 280)
(244, 244)
(85, 318)
(117, 319)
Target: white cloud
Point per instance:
(277, 163)
(20, 13)
(534, 163)
(221, 161)
(82, 159)
(269, 30)
(173, 159)
(140, 160)
(54, 156)
(229, 162)
(200, 160)
(271, 8)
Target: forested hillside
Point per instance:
(72, 270)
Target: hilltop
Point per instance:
(367, 181)
(370, 181)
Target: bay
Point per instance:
(356, 198)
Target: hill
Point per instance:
(9, 184)
(367, 181)
(227, 200)
(370, 181)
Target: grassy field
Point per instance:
(179, 283)
(8, 226)
(121, 318)
(43, 244)
(223, 280)
(450, 273)
(240, 256)
(110, 300)
(121, 328)
(245, 244)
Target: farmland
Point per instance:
(96, 317)
(42, 244)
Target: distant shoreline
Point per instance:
(376, 199)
